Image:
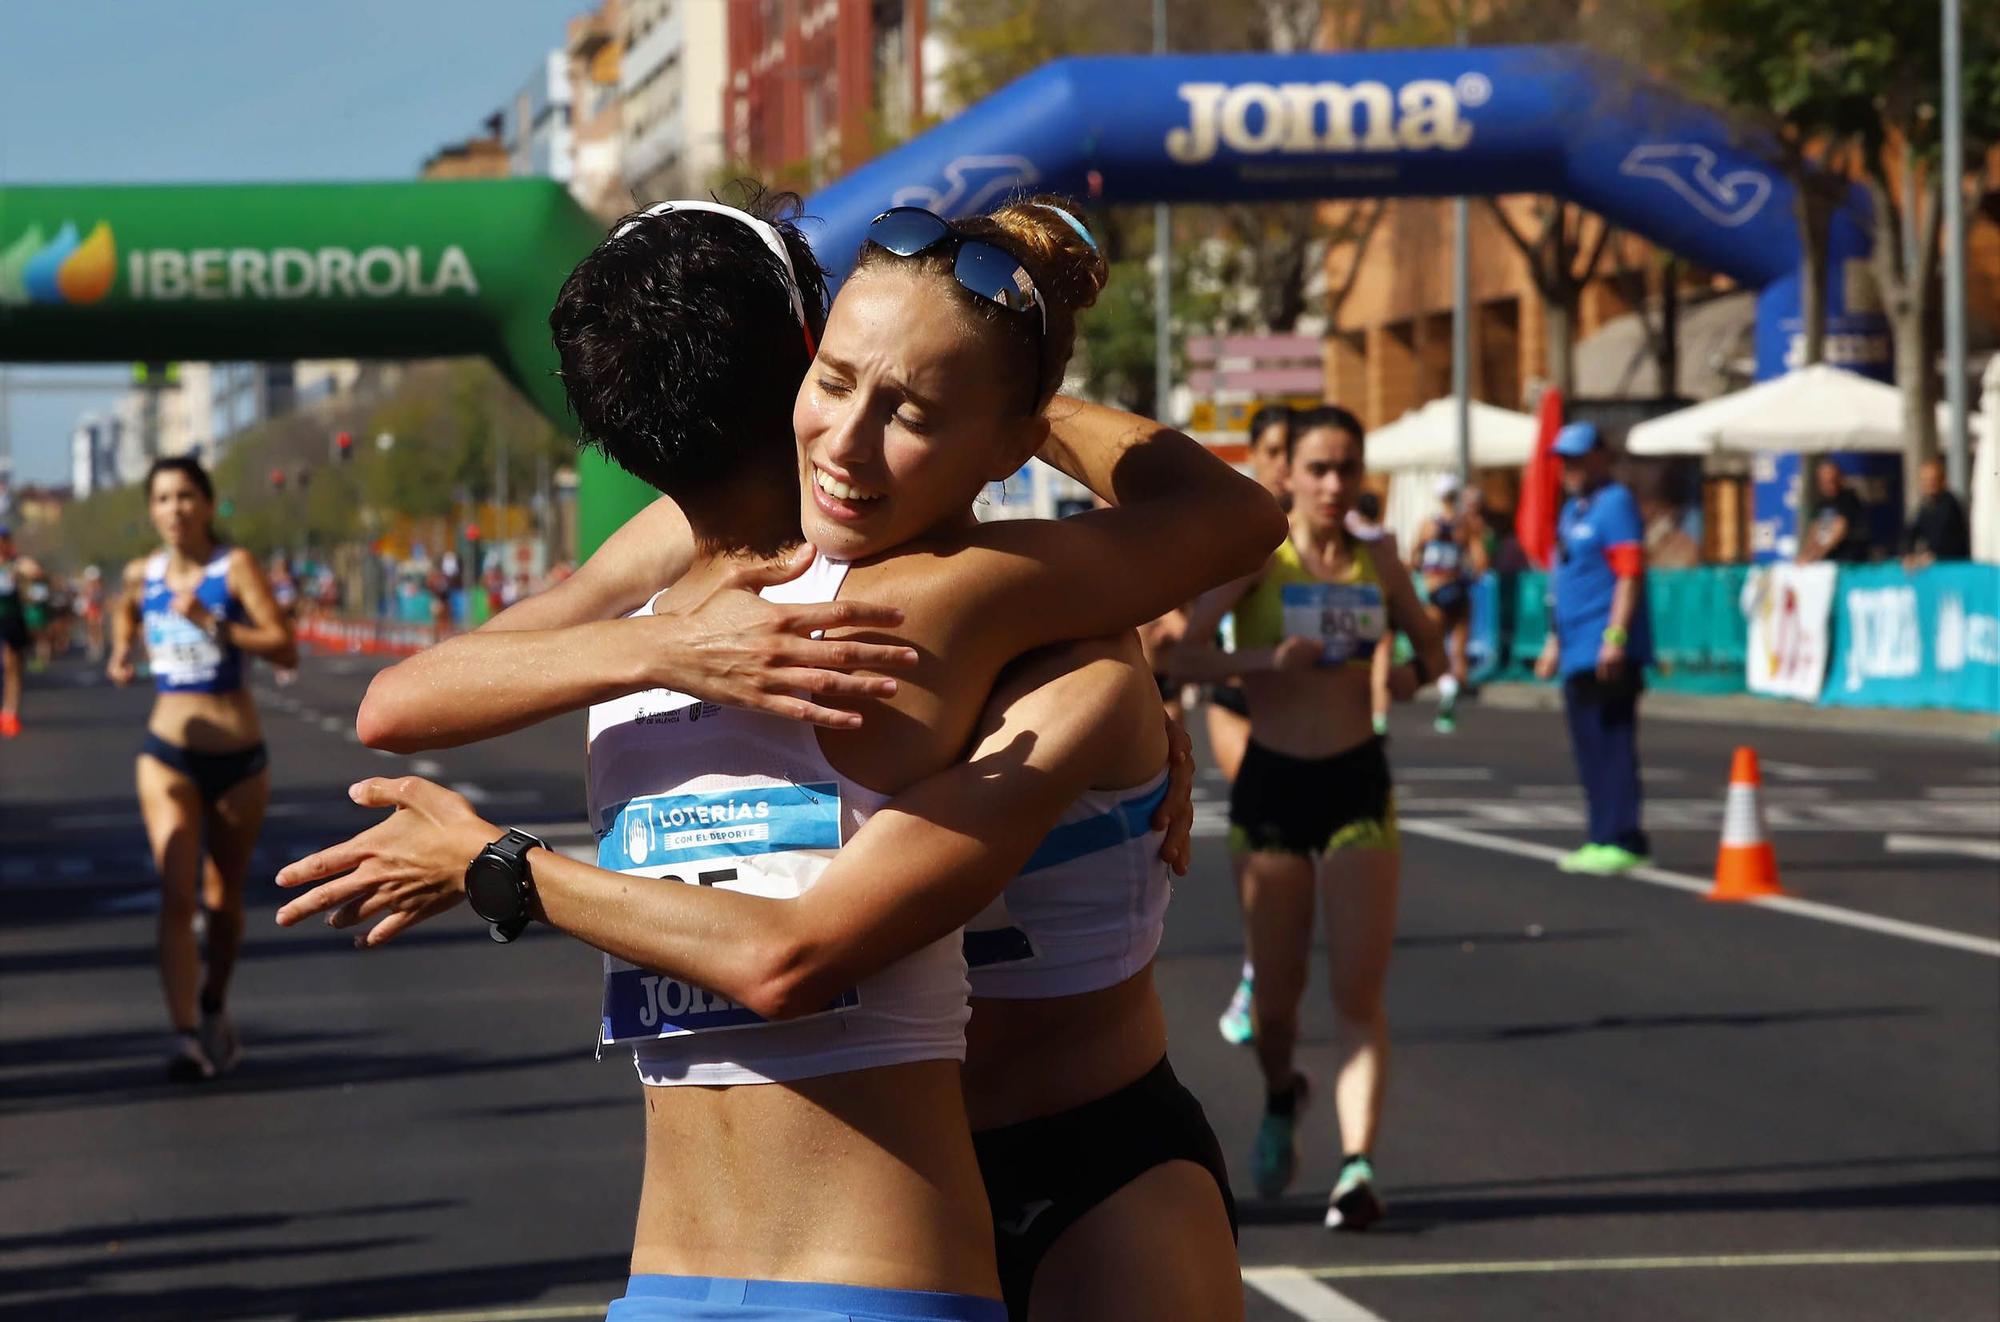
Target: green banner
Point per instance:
(265, 272)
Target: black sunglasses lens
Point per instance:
(907, 231)
(994, 274)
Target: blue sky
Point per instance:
(162, 91)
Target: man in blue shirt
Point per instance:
(1600, 643)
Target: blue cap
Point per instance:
(1576, 440)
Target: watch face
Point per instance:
(492, 889)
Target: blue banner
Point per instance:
(1929, 639)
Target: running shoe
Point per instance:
(1444, 723)
(1236, 1025)
(1381, 722)
(1354, 1204)
(189, 1062)
(219, 1041)
(10, 725)
(1610, 860)
(1275, 1159)
(1579, 860)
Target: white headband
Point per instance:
(763, 230)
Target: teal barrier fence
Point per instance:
(1699, 634)
(1930, 639)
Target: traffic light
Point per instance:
(471, 532)
(343, 446)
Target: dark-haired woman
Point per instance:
(902, 421)
(1313, 810)
(202, 607)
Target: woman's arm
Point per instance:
(567, 648)
(268, 631)
(125, 624)
(1407, 614)
(1181, 522)
(922, 866)
(1197, 658)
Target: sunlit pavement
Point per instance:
(1610, 1099)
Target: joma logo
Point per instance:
(1304, 118)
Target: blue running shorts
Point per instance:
(723, 1299)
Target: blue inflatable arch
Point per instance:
(1437, 122)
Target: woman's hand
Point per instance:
(1297, 654)
(410, 866)
(190, 608)
(120, 669)
(1175, 815)
(733, 647)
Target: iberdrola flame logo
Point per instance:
(38, 269)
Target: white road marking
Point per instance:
(1798, 810)
(1533, 1266)
(1942, 844)
(1985, 794)
(332, 724)
(1826, 913)
(427, 768)
(1417, 774)
(1802, 771)
(1303, 1296)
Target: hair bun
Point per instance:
(1057, 249)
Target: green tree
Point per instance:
(1850, 89)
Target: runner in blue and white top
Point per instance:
(201, 607)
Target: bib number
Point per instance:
(182, 653)
(1347, 618)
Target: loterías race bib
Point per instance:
(766, 840)
(1347, 618)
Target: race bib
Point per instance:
(766, 840)
(181, 653)
(1347, 618)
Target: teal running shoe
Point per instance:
(1236, 1026)
(1444, 723)
(1276, 1158)
(1354, 1204)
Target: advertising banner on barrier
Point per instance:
(1930, 639)
(1788, 608)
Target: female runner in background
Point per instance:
(1313, 809)
(202, 770)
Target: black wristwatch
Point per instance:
(499, 885)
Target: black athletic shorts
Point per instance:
(13, 629)
(213, 774)
(1311, 805)
(1043, 1175)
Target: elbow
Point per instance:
(787, 979)
(381, 723)
(1255, 530)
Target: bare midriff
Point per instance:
(1310, 713)
(207, 722)
(1029, 1058)
(865, 1178)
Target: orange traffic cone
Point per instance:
(1746, 867)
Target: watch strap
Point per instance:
(513, 847)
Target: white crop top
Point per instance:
(692, 792)
(1088, 908)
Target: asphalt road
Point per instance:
(1611, 1100)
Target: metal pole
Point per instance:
(1958, 450)
(1461, 324)
(1163, 358)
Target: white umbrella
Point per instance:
(1983, 501)
(1815, 408)
(1427, 437)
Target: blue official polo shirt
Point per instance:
(1582, 583)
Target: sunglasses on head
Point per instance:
(984, 269)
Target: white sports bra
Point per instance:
(1087, 910)
(694, 793)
